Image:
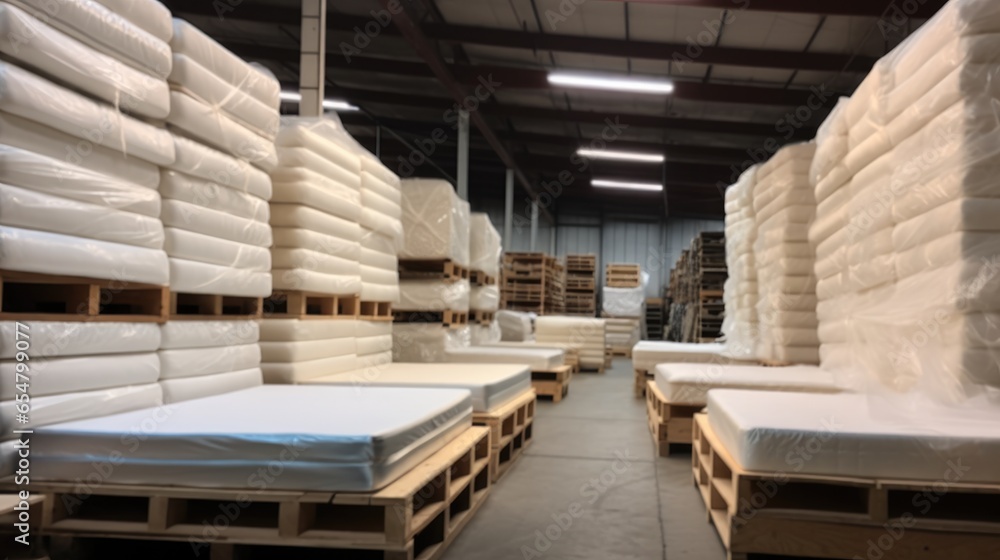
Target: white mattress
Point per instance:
(298, 372)
(29, 135)
(588, 333)
(691, 383)
(209, 194)
(485, 335)
(291, 330)
(34, 210)
(191, 246)
(54, 53)
(325, 139)
(187, 388)
(50, 339)
(301, 185)
(374, 344)
(344, 440)
(31, 97)
(538, 359)
(304, 217)
(435, 222)
(623, 302)
(374, 362)
(50, 253)
(857, 435)
(310, 281)
(67, 407)
(313, 242)
(54, 376)
(426, 342)
(207, 334)
(214, 223)
(204, 278)
(193, 362)
(484, 298)
(515, 326)
(206, 124)
(247, 111)
(194, 158)
(150, 15)
(43, 174)
(306, 350)
(433, 295)
(285, 258)
(484, 245)
(647, 353)
(190, 41)
(491, 385)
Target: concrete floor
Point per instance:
(592, 487)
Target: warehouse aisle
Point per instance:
(591, 487)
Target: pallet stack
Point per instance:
(619, 275)
(581, 285)
(532, 282)
(555, 286)
(654, 318)
(697, 284)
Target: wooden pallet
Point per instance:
(620, 351)
(214, 307)
(581, 263)
(375, 311)
(481, 317)
(289, 304)
(670, 423)
(480, 278)
(414, 518)
(552, 383)
(447, 318)
(28, 296)
(510, 430)
(578, 283)
(813, 516)
(640, 379)
(445, 270)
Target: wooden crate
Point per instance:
(622, 275)
(581, 263)
(447, 318)
(27, 296)
(414, 518)
(375, 311)
(552, 383)
(446, 270)
(670, 423)
(291, 304)
(510, 431)
(815, 516)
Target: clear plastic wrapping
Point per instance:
(55, 54)
(80, 405)
(82, 373)
(208, 334)
(482, 335)
(427, 342)
(624, 302)
(59, 339)
(201, 386)
(515, 326)
(218, 168)
(485, 246)
(484, 298)
(212, 127)
(150, 15)
(433, 295)
(435, 222)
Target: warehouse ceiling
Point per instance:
(749, 76)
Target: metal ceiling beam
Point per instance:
(427, 51)
(871, 8)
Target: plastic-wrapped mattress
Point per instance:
(433, 295)
(54, 376)
(485, 245)
(201, 386)
(206, 124)
(690, 383)
(648, 353)
(538, 359)
(75, 338)
(150, 15)
(78, 405)
(515, 326)
(344, 440)
(491, 386)
(435, 222)
(218, 168)
(426, 342)
(207, 334)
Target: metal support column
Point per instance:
(312, 61)
(534, 225)
(508, 211)
(463, 155)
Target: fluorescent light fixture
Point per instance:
(622, 156)
(330, 104)
(611, 82)
(612, 184)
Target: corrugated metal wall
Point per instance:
(654, 244)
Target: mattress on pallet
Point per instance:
(200, 386)
(54, 376)
(53, 339)
(485, 246)
(435, 222)
(338, 439)
(298, 372)
(292, 330)
(433, 295)
(79, 405)
(197, 159)
(25, 208)
(53, 53)
(306, 350)
(427, 342)
(191, 41)
(858, 435)
(150, 15)
(207, 124)
(515, 326)
(304, 186)
(106, 31)
(538, 359)
(28, 250)
(34, 98)
(193, 362)
(215, 223)
(376, 344)
(191, 246)
(379, 292)
(203, 278)
(485, 335)
(484, 298)
(175, 185)
(648, 353)
(690, 383)
(320, 144)
(491, 385)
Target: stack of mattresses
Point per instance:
(484, 297)
(588, 333)
(79, 210)
(784, 206)
(740, 294)
(515, 326)
(381, 229)
(622, 334)
(203, 358)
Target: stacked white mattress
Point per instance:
(374, 343)
(379, 267)
(515, 326)
(484, 335)
(538, 359)
(588, 333)
(315, 210)
(427, 342)
(419, 294)
(622, 333)
(485, 245)
(491, 385)
(435, 222)
(203, 358)
(339, 439)
(648, 353)
(740, 325)
(784, 206)
(296, 350)
(856, 435)
(381, 229)
(691, 383)
(623, 302)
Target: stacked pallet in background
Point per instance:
(432, 315)
(581, 285)
(485, 249)
(654, 318)
(555, 286)
(623, 304)
(619, 275)
(532, 282)
(697, 284)
(588, 334)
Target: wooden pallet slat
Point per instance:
(290, 304)
(447, 318)
(430, 269)
(28, 296)
(375, 311)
